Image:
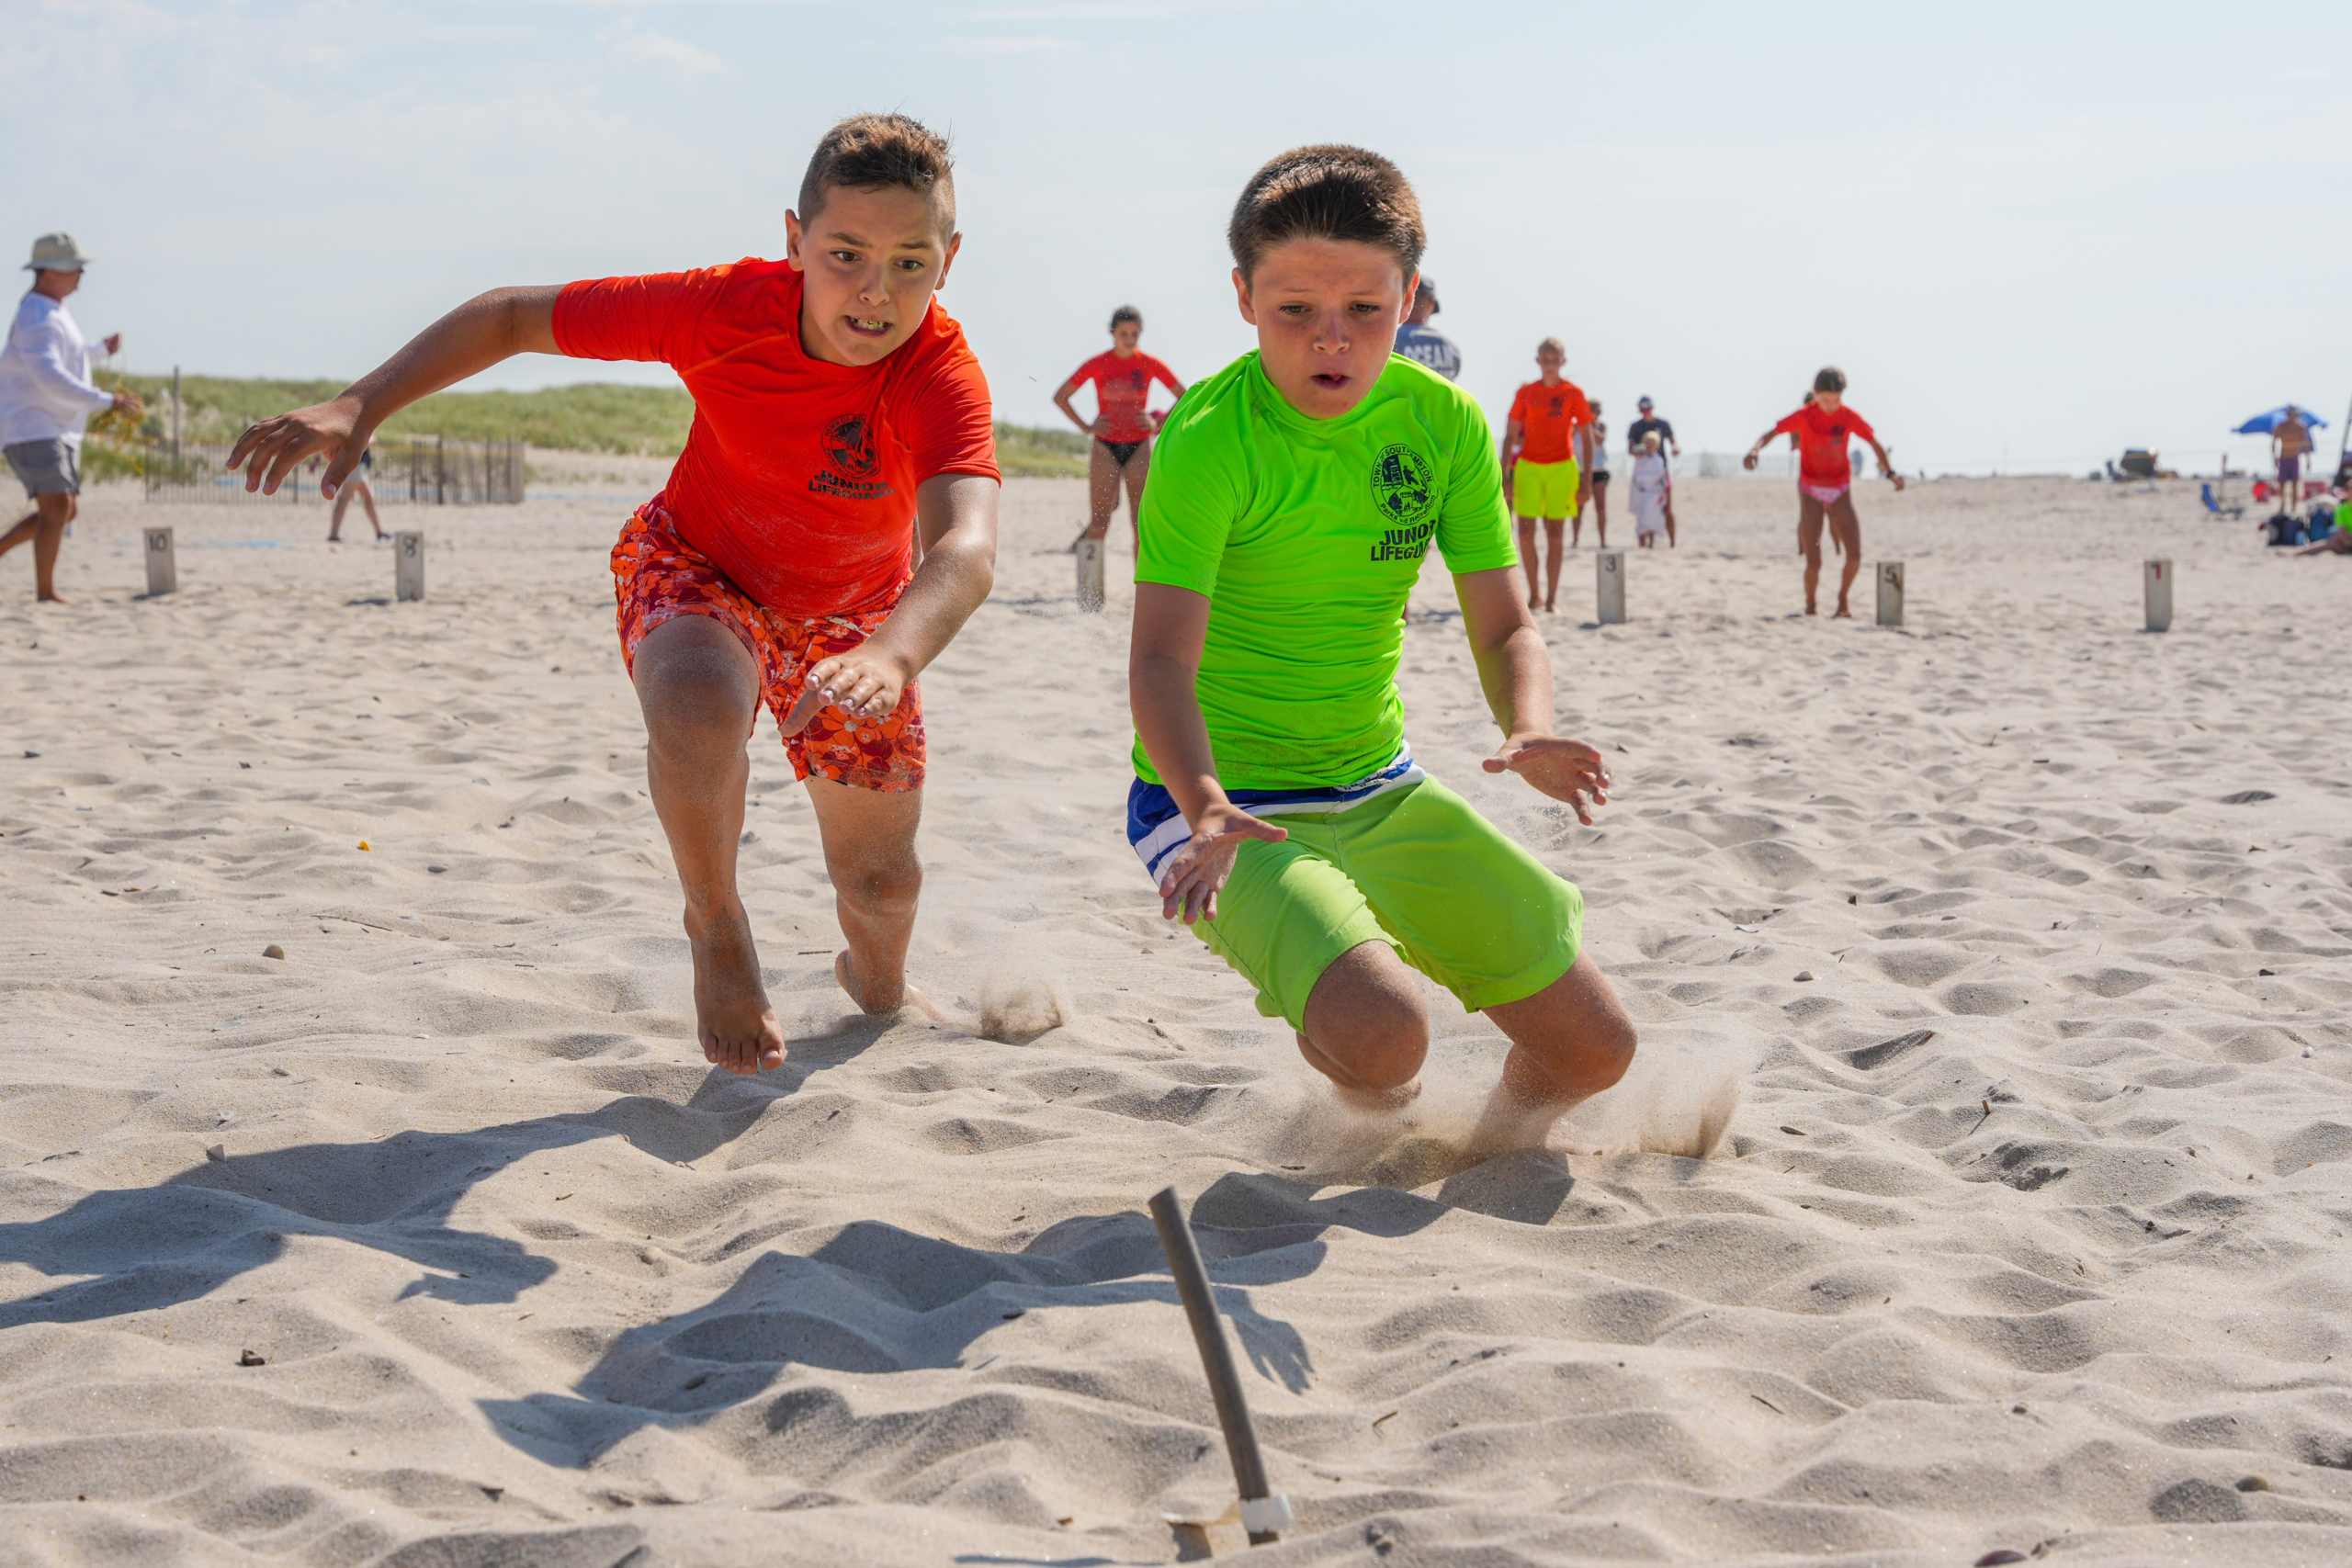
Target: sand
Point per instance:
(2028, 1231)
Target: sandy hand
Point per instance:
(1567, 771)
(1188, 889)
(863, 684)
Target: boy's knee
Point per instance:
(1367, 1018)
(1373, 1048)
(1390, 1045)
(695, 702)
(1609, 1049)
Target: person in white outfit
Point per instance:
(46, 397)
(1648, 492)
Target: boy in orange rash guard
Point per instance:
(1825, 480)
(837, 413)
(1546, 456)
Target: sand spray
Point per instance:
(1678, 1099)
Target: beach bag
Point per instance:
(2286, 529)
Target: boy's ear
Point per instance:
(795, 232)
(1412, 288)
(1241, 296)
(955, 244)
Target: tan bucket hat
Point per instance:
(57, 253)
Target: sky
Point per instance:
(2033, 236)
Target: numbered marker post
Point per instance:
(1889, 593)
(408, 565)
(1090, 575)
(162, 563)
(1609, 584)
(2156, 580)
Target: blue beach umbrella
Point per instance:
(2264, 423)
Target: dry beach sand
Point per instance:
(2028, 1231)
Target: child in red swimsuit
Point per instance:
(1825, 480)
(1122, 427)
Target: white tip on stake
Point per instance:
(1266, 1516)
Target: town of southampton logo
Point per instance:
(1400, 484)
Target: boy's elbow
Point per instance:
(1152, 671)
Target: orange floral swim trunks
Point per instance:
(656, 576)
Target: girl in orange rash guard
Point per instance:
(1826, 479)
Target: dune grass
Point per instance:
(594, 416)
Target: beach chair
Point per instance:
(2216, 505)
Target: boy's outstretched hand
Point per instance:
(1188, 889)
(273, 449)
(864, 682)
(1568, 771)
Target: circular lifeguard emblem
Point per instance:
(1400, 484)
(851, 446)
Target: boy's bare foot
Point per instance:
(1550, 607)
(53, 599)
(907, 996)
(1843, 614)
(732, 1018)
(1811, 608)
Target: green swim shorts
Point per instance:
(1416, 868)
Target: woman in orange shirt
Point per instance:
(1122, 427)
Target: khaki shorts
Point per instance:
(47, 468)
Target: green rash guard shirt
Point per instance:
(1306, 535)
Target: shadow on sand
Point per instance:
(874, 1299)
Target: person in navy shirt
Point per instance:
(1423, 344)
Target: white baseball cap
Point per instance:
(57, 253)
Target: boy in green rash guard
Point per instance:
(1276, 803)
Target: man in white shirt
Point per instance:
(46, 397)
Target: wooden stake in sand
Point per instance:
(1090, 575)
(1609, 583)
(162, 563)
(1263, 1513)
(1889, 593)
(408, 565)
(2156, 584)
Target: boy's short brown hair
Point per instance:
(1829, 379)
(875, 151)
(1327, 192)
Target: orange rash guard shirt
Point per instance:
(1548, 417)
(1122, 391)
(798, 476)
(1821, 442)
